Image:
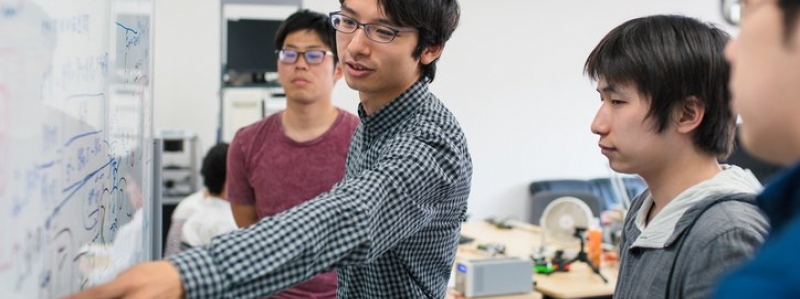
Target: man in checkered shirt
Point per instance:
(391, 227)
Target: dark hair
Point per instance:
(791, 10)
(214, 168)
(436, 20)
(308, 20)
(669, 59)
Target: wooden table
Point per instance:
(524, 239)
(452, 294)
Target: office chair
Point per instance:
(634, 185)
(541, 199)
(566, 185)
(560, 185)
(605, 191)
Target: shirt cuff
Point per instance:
(199, 274)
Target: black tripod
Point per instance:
(583, 257)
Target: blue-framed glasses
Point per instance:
(376, 32)
(289, 56)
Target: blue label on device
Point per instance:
(462, 268)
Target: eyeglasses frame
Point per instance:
(366, 27)
(303, 53)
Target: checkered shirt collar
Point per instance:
(396, 111)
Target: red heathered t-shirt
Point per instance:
(275, 173)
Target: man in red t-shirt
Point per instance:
(296, 154)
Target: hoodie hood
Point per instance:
(731, 180)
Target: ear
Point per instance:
(430, 54)
(689, 115)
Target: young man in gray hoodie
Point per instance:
(665, 116)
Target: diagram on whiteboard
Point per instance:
(75, 137)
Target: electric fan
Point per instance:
(563, 221)
(561, 217)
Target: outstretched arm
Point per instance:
(157, 280)
(355, 222)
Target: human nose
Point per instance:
(599, 123)
(301, 62)
(358, 41)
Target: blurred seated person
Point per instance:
(204, 214)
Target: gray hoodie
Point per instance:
(725, 235)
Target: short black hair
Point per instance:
(214, 168)
(670, 58)
(791, 11)
(308, 20)
(435, 20)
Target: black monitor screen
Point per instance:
(173, 145)
(250, 46)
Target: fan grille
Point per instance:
(562, 216)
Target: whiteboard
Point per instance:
(76, 154)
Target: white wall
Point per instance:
(512, 74)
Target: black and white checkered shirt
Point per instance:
(390, 227)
